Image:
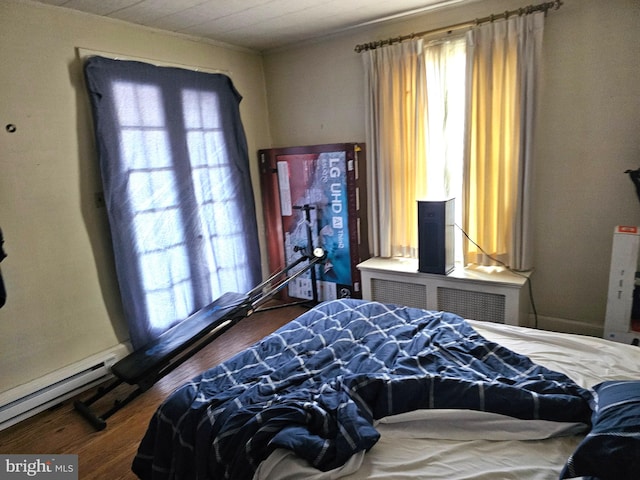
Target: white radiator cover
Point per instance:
(33, 397)
(495, 296)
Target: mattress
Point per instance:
(363, 390)
(468, 445)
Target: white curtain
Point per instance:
(445, 124)
(503, 59)
(395, 112)
(409, 121)
(420, 148)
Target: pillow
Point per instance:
(611, 450)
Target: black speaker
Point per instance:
(436, 236)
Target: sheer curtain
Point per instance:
(454, 118)
(177, 188)
(415, 114)
(503, 59)
(445, 124)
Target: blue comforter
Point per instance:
(317, 384)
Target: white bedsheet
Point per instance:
(466, 445)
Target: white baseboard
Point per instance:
(564, 325)
(37, 395)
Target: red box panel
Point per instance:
(330, 179)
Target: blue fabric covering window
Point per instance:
(175, 170)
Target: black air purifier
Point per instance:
(436, 236)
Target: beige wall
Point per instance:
(63, 303)
(587, 136)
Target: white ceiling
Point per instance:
(255, 24)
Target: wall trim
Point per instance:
(564, 325)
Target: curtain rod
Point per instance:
(542, 7)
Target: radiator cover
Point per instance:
(398, 292)
(500, 297)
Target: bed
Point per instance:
(362, 390)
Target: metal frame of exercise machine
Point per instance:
(145, 366)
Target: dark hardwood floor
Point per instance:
(108, 454)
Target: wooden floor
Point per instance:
(108, 454)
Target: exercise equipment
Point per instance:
(145, 366)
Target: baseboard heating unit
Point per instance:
(38, 395)
(498, 296)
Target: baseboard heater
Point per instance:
(38, 395)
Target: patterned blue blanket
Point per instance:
(316, 385)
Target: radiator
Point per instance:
(38, 395)
(398, 292)
(479, 305)
(494, 297)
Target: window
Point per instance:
(177, 188)
(417, 115)
(416, 150)
(445, 73)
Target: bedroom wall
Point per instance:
(587, 134)
(63, 303)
